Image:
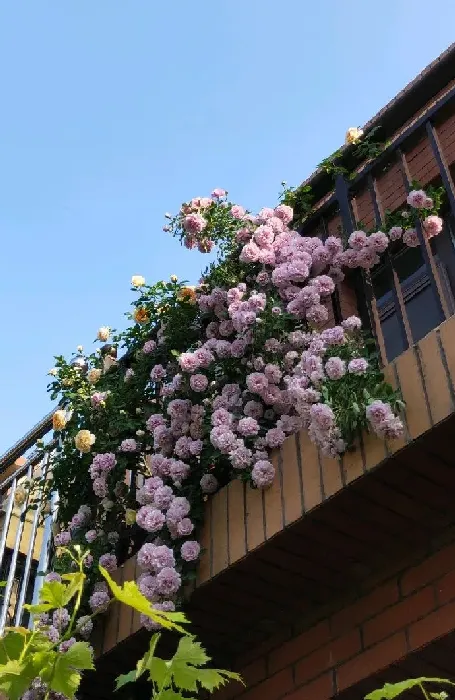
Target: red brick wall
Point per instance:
(398, 616)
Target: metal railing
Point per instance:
(25, 535)
(412, 291)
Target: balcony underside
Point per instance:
(304, 571)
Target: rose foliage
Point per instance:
(208, 381)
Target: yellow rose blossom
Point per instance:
(84, 440)
(59, 420)
(137, 281)
(130, 516)
(20, 496)
(53, 372)
(141, 315)
(103, 333)
(93, 375)
(174, 278)
(79, 348)
(187, 294)
(353, 135)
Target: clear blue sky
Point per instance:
(114, 112)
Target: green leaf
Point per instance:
(11, 646)
(191, 652)
(53, 592)
(170, 694)
(66, 677)
(80, 656)
(15, 678)
(38, 609)
(392, 690)
(159, 671)
(122, 680)
(144, 663)
(130, 595)
(75, 584)
(212, 678)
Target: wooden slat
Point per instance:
(435, 378)
(331, 475)
(274, 517)
(353, 466)
(112, 618)
(447, 334)
(237, 536)
(417, 416)
(136, 621)
(374, 450)
(292, 481)
(204, 568)
(311, 472)
(255, 530)
(219, 532)
(126, 613)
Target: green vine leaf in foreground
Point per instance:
(393, 690)
(184, 671)
(129, 594)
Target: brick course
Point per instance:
(402, 614)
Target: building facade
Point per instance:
(341, 576)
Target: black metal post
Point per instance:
(389, 265)
(348, 221)
(424, 245)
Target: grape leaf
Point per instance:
(15, 678)
(125, 678)
(130, 595)
(53, 592)
(392, 690)
(67, 677)
(11, 646)
(76, 583)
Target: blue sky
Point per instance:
(114, 112)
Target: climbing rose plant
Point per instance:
(212, 379)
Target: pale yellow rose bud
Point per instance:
(103, 333)
(59, 420)
(174, 278)
(353, 135)
(79, 348)
(93, 375)
(20, 496)
(53, 372)
(137, 281)
(84, 440)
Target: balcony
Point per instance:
(328, 531)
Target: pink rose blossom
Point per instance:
(432, 226)
(190, 550)
(194, 223)
(357, 366)
(263, 474)
(199, 382)
(237, 211)
(335, 368)
(417, 199)
(248, 427)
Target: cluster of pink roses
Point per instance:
(236, 394)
